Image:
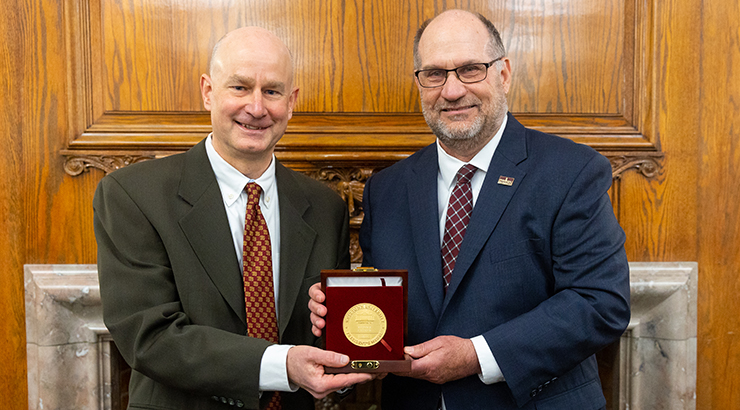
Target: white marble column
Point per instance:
(66, 341)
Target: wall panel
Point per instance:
(135, 68)
(718, 205)
(12, 213)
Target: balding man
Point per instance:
(516, 263)
(205, 258)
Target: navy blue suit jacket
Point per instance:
(542, 272)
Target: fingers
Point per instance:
(329, 358)
(306, 369)
(317, 324)
(443, 359)
(421, 349)
(318, 310)
(315, 293)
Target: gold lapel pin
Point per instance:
(508, 181)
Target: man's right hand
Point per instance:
(317, 308)
(306, 369)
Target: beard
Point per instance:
(470, 138)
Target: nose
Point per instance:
(453, 89)
(255, 105)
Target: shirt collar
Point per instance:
(232, 182)
(449, 165)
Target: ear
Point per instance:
(505, 73)
(291, 102)
(206, 90)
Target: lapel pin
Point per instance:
(508, 181)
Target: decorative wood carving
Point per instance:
(349, 181)
(350, 184)
(77, 164)
(648, 164)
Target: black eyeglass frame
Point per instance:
(447, 73)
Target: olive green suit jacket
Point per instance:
(171, 285)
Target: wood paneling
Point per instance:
(356, 56)
(718, 204)
(12, 212)
(134, 70)
(652, 84)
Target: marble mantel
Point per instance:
(69, 347)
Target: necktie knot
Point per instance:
(253, 193)
(465, 174)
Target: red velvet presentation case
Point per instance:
(369, 290)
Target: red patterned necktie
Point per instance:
(458, 215)
(259, 292)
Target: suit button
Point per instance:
(224, 400)
(533, 393)
(239, 404)
(231, 402)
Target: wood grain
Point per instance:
(718, 207)
(354, 56)
(12, 214)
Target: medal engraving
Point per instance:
(364, 324)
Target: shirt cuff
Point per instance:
(274, 369)
(490, 371)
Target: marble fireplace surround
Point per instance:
(69, 347)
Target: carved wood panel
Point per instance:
(580, 70)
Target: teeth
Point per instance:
(249, 127)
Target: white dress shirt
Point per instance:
(448, 167)
(232, 183)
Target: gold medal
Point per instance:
(364, 324)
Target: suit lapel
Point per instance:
(492, 200)
(422, 194)
(206, 227)
(296, 241)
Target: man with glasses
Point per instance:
(517, 269)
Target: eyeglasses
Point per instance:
(470, 73)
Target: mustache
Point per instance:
(446, 105)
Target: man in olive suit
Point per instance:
(172, 253)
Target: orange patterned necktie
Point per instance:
(259, 292)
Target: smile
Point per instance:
(250, 127)
(457, 109)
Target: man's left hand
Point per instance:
(442, 359)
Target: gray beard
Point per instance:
(458, 140)
(472, 139)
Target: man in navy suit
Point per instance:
(541, 280)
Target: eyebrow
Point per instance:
(249, 81)
(436, 67)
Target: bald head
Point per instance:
(250, 93)
(250, 43)
(461, 22)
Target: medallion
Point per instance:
(364, 324)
